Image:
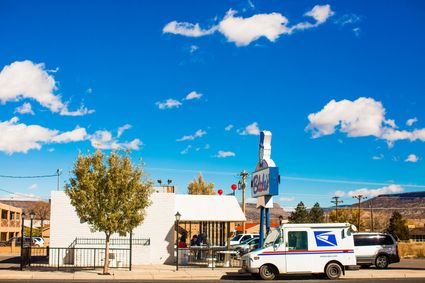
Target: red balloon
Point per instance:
(220, 192)
(234, 187)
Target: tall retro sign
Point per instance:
(265, 181)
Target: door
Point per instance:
(297, 259)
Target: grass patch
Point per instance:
(411, 250)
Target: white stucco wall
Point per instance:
(157, 226)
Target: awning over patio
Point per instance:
(208, 208)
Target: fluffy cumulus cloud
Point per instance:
(187, 29)
(251, 129)
(16, 137)
(243, 31)
(411, 121)
(168, 104)
(19, 137)
(391, 189)
(27, 80)
(122, 129)
(193, 95)
(25, 108)
(198, 134)
(359, 118)
(103, 139)
(224, 154)
(412, 158)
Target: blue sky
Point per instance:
(335, 82)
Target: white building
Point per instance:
(158, 225)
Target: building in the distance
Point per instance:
(10, 224)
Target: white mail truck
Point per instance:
(320, 249)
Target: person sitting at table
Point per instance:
(194, 240)
(182, 242)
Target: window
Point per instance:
(297, 240)
(385, 240)
(246, 237)
(237, 237)
(372, 240)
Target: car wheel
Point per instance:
(381, 262)
(333, 271)
(268, 272)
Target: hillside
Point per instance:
(253, 214)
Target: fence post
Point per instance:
(131, 247)
(94, 261)
(58, 251)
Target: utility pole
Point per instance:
(371, 215)
(244, 175)
(336, 201)
(359, 198)
(59, 172)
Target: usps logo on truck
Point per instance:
(325, 239)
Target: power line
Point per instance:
(28, 177)
(22, 195)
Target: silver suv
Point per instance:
(379, 249)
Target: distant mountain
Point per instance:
(253, 214)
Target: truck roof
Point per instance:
(317, 225)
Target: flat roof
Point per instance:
(208, 208)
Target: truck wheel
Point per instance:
(381, 262)
(333, 271)
(268, 272)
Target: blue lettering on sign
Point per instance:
(325, 239)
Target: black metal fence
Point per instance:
(209, 256)
(75, 258)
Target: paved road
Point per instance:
(294, 280)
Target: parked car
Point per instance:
(247, 246)
(379, 249)
(38, 241)
(242, 238)
(17, 241)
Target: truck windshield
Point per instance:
(272, 237)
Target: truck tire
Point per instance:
(381, 262)
(268, 272)
(333, 271)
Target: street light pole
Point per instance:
(178, 215)
(336, 201)
(22, 240)
(244, 175)
(32, 215)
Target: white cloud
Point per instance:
(348, 19)
(378, 157)
(224, 154)
(286, 198)
(78, 134)
(228, 127)
(122, 129)
(359, 118)
(412, 158)
(339, 193)
(193, 48)
(89, 90)
(24, 109)
(411, 121)
(390, 189)
(186, 150)
(320, 13)
(103, 139)
(193, 95)
(187, 29)
(19, 137)
(251, 129)
(27, 80)
(243, 31)
(207, 146)
(21, 197)
(168, 104)
(198, 134)
(33, 187)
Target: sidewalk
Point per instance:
(167, 272)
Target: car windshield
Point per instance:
(247, 241)
(272, 237)
(237, 237)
